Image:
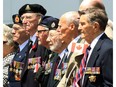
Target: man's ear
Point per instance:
(96, 26)
(72, 26)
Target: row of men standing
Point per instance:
(34, 65)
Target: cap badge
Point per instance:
(27, 8)
(17, 19)
(53, 25)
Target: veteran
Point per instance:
(66, 32)
(99, 4)
(70, 35)
(47, 24)
(100, 59)
(31, 15)
(22, 38)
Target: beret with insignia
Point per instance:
(16, 19)
(32, 8)
(49, 22)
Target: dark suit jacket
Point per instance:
(28, 75)
(19, 57)
(51, 81)
(102, 56)
(45, 77)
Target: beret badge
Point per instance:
(16, 19)
(53, 25)
(27, 8)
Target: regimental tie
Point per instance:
(81, 70)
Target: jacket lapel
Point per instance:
(94, 55)
(26, 59)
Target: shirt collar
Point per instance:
(23, 45)
(33, 38)
(94, 42)
(61, 54)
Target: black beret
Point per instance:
(16, 19)
(32, 8)
(50, 22)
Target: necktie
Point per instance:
(56, 64)
(81, 70)
(63, 59)
(65, 55)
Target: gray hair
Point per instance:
(96, 15)
(7, 32)
(72, 17)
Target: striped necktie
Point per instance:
(81, 70)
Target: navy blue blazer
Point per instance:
(28, 75)
(51, 81)
(19, 58)
(102, 57)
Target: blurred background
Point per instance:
(54, 8)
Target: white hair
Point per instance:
(7, 32)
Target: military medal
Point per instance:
(32, 62)
(17, 77)
(14, 66)
(16, 71)
(64, 67)
(57, 74)
(47, 68)
(29, 63)
(20, 71)
(36, 67)
(88, 70)
(92, 78)
(97, 70)
(11, 69)
(92, 70)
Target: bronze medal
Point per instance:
(92, 78)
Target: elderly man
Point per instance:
(54, 44)
(100, 59)
(47, 24)
(68, 31)
(31, 15)
(16, 65)
(99, 4)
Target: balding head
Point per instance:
(71, 17)
(68, 26)
(91, 3)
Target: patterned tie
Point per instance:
(81, 70)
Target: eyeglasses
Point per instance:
(5, 42)
(39, 31)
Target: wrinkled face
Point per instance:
(19, 34)
(64, 29)
(30, 21)
(42, 35)
(53, 40)
(86, 28)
